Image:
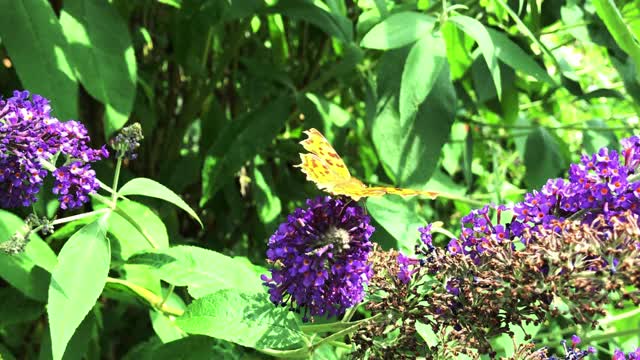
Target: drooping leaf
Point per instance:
(410, 148)
(480, 34)
(398, 30)
(249, 320)
(511, 54)
(33, 37)
(152, 188)
(30, 270)
(421, 70)
(76, 282)
(101, 53)
(239, 142)
(203, 271)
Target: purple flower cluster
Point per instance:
(29, 138)
(320, 258)
(606, 183)
(620, 355)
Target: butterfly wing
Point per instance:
(323, 165)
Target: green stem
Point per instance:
(116, 177)
(79, 216)
(166, 296)
(154, 300)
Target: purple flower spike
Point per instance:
(320, 256)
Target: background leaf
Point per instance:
(102, 55)
(33, 37)
(398, 30)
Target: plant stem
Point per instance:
(166, 296)
(154, 300)
(116, 177)
(79, 216)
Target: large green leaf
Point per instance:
(203, 271)
(398, 30)
(29, 270)
(410, 148)
(480, 34)
(77, 281)
(543, 158)
(250, 320)
(32, 35)
(421, 70)
(239, 142)
(152, 188)
(102, 55)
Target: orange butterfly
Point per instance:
(325, 167)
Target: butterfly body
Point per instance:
(325, 167)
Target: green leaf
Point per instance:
(612, 18)
(249, 320)
(424, 64)
(77, 281)
(399, 217)
(29, 270)
(174, 3)
(32, 35)
(398, 30)
(152, 188)
(318, 14)
(480, 34)
(426, 333)
(239, 142)
(512, 55)
(543, 158)
(203, 271)
(130, 238)
(329, 111)
(410, 148)
(80, 341)
(102, 55)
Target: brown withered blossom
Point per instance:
(577, 267)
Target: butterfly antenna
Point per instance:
(348, 201)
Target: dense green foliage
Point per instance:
(480, 100)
